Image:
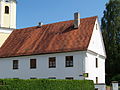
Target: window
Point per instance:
(52, 78)
(96, 88)
(96, 27)
(15, 78)
(96, 62)
(32, 63)
(96, 80)
(15, 64)
(70, 78)
(69, 61)
(6, 0)
(33, 78)
(52, 62)
(6, 10)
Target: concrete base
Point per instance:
(114, 85)
(100, 86)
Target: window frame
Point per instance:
(15, 64)
(52, 62)
(33, 63)
(68, 61)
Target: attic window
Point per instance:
(6, 10)
(96, 27)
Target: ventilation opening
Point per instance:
(6, 10)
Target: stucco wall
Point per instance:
(42, 71)
(96, 43)
(92, 70)
(96, 49)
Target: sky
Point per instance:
(31, 12)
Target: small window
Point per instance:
(70, 78)
(96, 80)
(52, 62)
(33, 78)
(52, 78)
(96, 62)
(96, 88)
(69, 61)
(32, 63)
(16, 78)
(6, 10)
(6, 0)
(96, 27)
(15, 64)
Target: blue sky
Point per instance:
(30, 12)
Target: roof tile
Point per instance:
(50, 38)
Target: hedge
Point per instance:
(45, 84)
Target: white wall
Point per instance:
(96, 43)
(42, 71)
(90, 67)
(83, 63)
(95, 50)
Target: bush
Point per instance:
(116, 78)
(46, 84)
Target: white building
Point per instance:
(65, 50)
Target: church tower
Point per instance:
(7, 18)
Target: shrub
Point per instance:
(116, 78)
(46, 84)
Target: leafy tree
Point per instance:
(110, 25)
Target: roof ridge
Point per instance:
(57, 22)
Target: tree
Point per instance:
(110, 25)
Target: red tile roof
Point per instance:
(50, 38)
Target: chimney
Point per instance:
(76, 20)
(40, 24)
